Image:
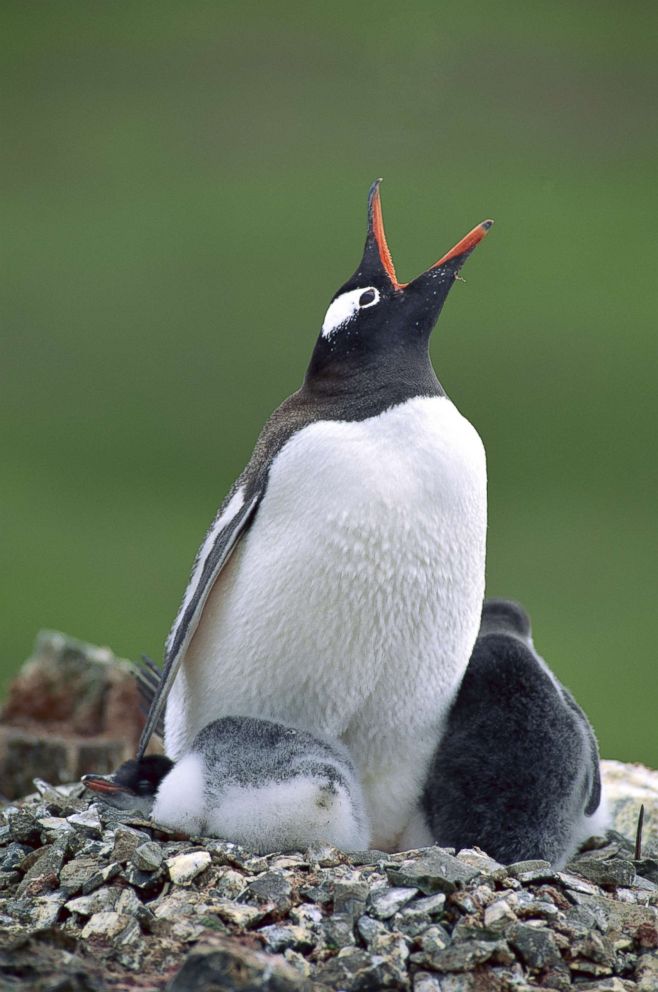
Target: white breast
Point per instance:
(352, 605)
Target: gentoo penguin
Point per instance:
(253, 782)
(517, 769)
(339, 588)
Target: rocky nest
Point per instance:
(94, 899)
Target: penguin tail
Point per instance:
(148, 677)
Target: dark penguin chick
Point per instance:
(517, 770)
(133, 785)
(355, 537)
(259, 784)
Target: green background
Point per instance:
(185, 188)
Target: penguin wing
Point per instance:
(233, 520)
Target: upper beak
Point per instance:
(106, 785)
(377, 252)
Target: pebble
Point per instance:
(183, 868)
(435, 871)
(385, 902)
(536, 945)
(88, 822)
(148, 856)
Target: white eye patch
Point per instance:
(345, 306)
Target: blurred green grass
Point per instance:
(184, 189)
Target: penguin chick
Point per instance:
(517, 770)
(263, 785)
(133, 785)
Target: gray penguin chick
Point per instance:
(516, 771)
(260, 784)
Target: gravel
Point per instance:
(91, 899)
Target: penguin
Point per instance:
(516, 771)
(256, 783)
(339, 588)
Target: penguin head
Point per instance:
(133, 785)
(373, 317)
(504, 616)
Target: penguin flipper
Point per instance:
(223, 537)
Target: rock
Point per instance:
(385, 902)
(88, 822)
(535, 945)
(350, 898)
(270, 887)
(126, 839)
(242, 914)
(72, 708)
(108, 925)
(278, 938)
(183, 868)
(627, 786)
(499, 915)
(338, 931)
(149, 856)
(434, 871)
(44, 870)
(227, 965)
(605, 873)
(102, 900)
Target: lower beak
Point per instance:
(105, 785)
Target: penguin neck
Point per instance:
(366, 383)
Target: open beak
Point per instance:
(106, 785)
(377, 254)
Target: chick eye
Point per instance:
(368, 297)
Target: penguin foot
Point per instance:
(517, 769)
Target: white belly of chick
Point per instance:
(351, 607)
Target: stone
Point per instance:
(229, 884)
(279, 937)
(627, 786)
(385, 902)
(350, 898)
(535, 945)
(126, 839)
(72, 708)
(184, 868)
(605, 873)
(338, 931)
(466, 955)
(225, 964)
(271, 887)
(45, 868)
(101, 900)
(368, 929)
(13, 856)
(434, 871)
(148, 856)
(425, 982)
(106, 924)
(499, 915)
(242, 914)
(87, 822)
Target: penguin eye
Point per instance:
(345, 307)
(368, 297)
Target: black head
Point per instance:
(378, 324)
(134, 784)
(504, 616)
